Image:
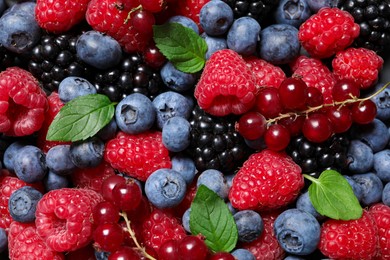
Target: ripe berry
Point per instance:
(268, 102)
(314, 97)
(363, 112)
(193, 248)
(277, 137)
(127, 195)
(143, 21)
(251, 125)
(108, 186)
(293, 124)
(125, 252)
(169, 250)
(153, 6)
(105, 212)
(345, 89)
(317, 128)
(340, 117)
(108, 237)
(292, 93)
(221, 256)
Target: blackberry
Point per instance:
(215, 144)
(257, 9)
(373, 17)
(314, 158)
(131, 75)
(10, 59)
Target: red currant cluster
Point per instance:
(295, 108)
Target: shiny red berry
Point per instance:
(293, 124)
(125, 253)
(314, 97)
(268, 102)
(317, 128)
(109, 184)
(340, 117)
(193, 248)
(127, 196)
(277, 137)
(105, 212)
(251, 125)
(169, 250)
(345, 89)
(108, 237)
(363, 112)
(292, 93)
(221, 256)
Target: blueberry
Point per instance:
(374, 134)
(3, 240)
(186, 220)
(279, 43)
(304, 203)
(185, 21)
(357, 189)
(243, 35)
(98, 50)
(101, 255)
(297, 231)
(215, 181)
(165, 188)
(213, 44)
(58, 159)
(10, 153)
(30, 164)
(3, 6)
(249, 225)
(176, 134)
(169, 104)
(382, 102)
(371, 185)
(229, 179)
(291, 257)
(243, 254)
(72, 87)
(109, 131)
(185, 166)
(386, 194)
(360, 156)
(135, 114)
(53, 181)
(19, 31)
(292, 12)
(87, 153)
(382, 165)
(231, 208)
(177, 80)
(22, 204)
(216, 17)
(316, 5)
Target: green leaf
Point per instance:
(211, 218)
(81, 118)
(332, 196)
(181, 45)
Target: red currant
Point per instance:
(153, 6)
(193, 248)
(317, 128)
(109, 184)
(105, 212)
(143, 21)
(127, 196)
(340, 117)
(363, 112)
(314, 97)
(108, 236)
(292, 93)
(125, 252)
(277, 137)
(268, 102)
(153, 57)
(293, 124)
(221, 256)
(345, 89)
(169, 250)
(251, 125)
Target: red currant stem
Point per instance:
(313, 109)
(132, 11)
(132, 234)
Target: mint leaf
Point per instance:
(81, 118)
(181, 45)
(211, 218)
(332, 196)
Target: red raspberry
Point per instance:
(160, 227)
(358, 64)
(327, 32)
(60, 15)
(381, 214)
(266, 246)
(351, 239)
(267, 180)
(63, 218)
(190, 9)
(315, 74)
(266, 74)
(25, 243)
(137, 155)
(92, 177)
(110, 17)
(226, 85)
(22, 102)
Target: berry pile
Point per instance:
(194, 129)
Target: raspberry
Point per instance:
(381, 215)
(60, 15)
(351, 239)
(267, 180)
(327, 32)
(226, 85)
(63, 218)
(25, 243)
(358, 64)
(266, 246)
(92, 177)
(315, 74)
(159, 227)
(266, 74)
(137, 155)
(22, 102)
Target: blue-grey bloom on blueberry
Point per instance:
(87, 153)
(229, 179)
(213, 44)
(357, 189)
(135, 114)
(185, 21)
(297, 231)
(382, 102)
(58, 159)
(292, 12)
(215, 181)
(184, 165)
(23, 203)
(108, 131)
(30, 164)
(231, 208)
(304, 203)
(374, 134)
(176, 134)
(3, 240)
(243, 254)
(3, 6)
(53, 181)
(249, 225)
(177, 80)
(186, 220)
(386, 194)
(279, 43)
(243, 36)
(98, 50)
(372, 187)
(293, 257)
(316, 5)
(216, 17)
(169, 104)
(9, 154)
(360, 156)
(165, 188)
(72, 87)
(382, 165)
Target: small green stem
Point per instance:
(132, 11)
(312, 179)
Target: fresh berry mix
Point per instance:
(194, 129)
